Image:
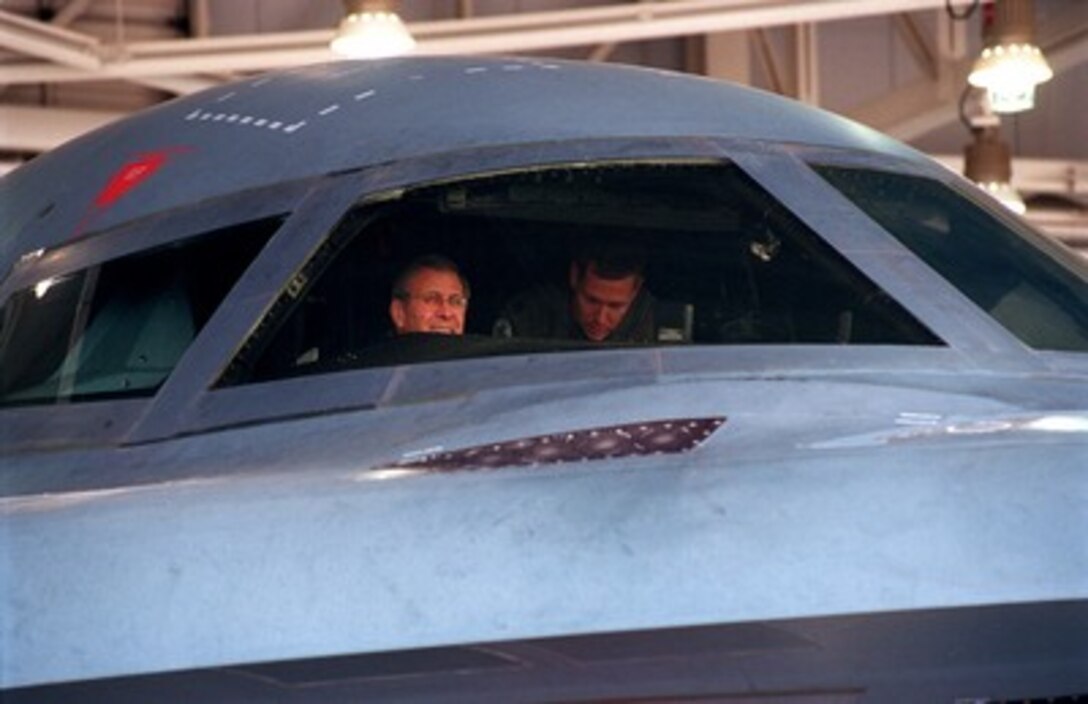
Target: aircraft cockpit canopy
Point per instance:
(727, 262)
(728, 265)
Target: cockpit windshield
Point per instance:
(1039, 296)
(117, 329)
(575, 257)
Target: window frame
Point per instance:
(151, 232)
(109, 420)
(1059, 257)
(190, 403)
(938, 304)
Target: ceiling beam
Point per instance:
(72, 50)
(912, 110)
(177, 65)
(924, 57)
(507, 33)
(70, 12)
(34, 129)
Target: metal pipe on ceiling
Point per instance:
(507, 33)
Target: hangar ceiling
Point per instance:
(67, 66)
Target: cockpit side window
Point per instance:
(725, 264)
(1036, 296)
(117, 329)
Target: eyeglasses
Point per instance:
(434, 299)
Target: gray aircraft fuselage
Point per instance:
(817, 520)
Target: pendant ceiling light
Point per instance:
(371, 30)
(1011, 65)
(988, 162)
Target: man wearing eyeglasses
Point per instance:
(430, 296)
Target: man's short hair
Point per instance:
(435, 262)
(611, 260)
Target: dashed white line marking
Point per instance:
(236, 118)
(365, 94)
(330, 109)
(224, 98)
(476, 69)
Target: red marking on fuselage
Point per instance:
(125, 179)
(131, 175)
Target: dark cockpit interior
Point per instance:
(725, 263)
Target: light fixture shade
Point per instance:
(1009, 73)
(988, 162)
(372, 35)
(1006, 195)
(1010, 65)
